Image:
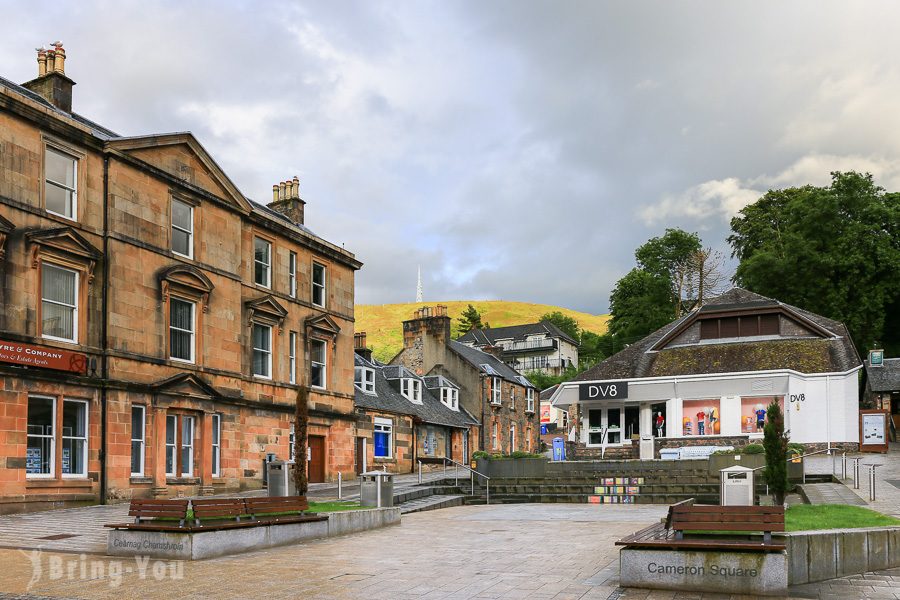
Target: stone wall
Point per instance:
(821, 555)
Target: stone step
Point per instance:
(584, 498)
(431, 503)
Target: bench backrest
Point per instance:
(144, 510)
(218, 508)
(727, 518)
(268, 505)
(682, 504)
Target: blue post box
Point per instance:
(559, 449)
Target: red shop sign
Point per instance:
(43, 357)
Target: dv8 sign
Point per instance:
(603, 391)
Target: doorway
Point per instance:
(659, 419)
(316, 462)
(360, 455)
(632, 423)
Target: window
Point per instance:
(318, 284)
(292, 274)
(512, 438)
(496, 390)
(317, 364)
(74, 438)
(171, 435)
(182, 228)
(364, 379)
(138, 435)
(512, 398)
(262, 262)
(733, 327)
(450, 397)
(60, 187)
(292, 357)
(495, 436)
(187, 446)
(529, 399)
(262, 351)
(59, 303)
(291, 441)
(411, 389)
(41, 450)
(216, 445)
(181, 330)
(384, 432)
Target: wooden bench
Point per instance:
(218, 509)
(716, 525)
(272, 508)
(157, 515)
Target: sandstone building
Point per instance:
(156, 323)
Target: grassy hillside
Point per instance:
(382, 322)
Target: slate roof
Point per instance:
(489, 336)
(548, 393)
(886, 378)
(388, 398)
(808, 355)
(477, 358)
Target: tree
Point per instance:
(672, 257)
(775, 443)
(640, 303)
(593, 348)
(704, 278)
(565, 323)
(301, 427)
(831, 250)
(470, 319)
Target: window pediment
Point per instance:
(186, 279)
(6, 227)
(66, 244)
(266, 309)
(323, 325)
(186, 384)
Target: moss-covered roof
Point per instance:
(806, 356)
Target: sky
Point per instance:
(516, 150)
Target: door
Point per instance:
(632, 423)
(448, 446)
(465, 448)
(360, 455)
(316, 462)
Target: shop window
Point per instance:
(41, 449)
(60, 183)
(384, 431)
(318, 364)
(754, 412)
(74, 438)
(59, 303)
(216, 453)
(138, 439)
(700, 417)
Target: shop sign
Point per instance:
(43, 357)
(611, 390)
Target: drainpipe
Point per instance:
(104, 362)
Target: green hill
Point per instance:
(383, 322)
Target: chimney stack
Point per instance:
(286, 200)
(51, 82)
(359, 345)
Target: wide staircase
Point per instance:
(598, 482)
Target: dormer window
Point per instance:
(450, 397)
(364, 379)
(735, 327)
(411, 389)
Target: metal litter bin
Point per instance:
(737, 486)
(376, 488)
(280, 474)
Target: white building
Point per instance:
(532, 347)
(704, 378)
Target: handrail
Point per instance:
(472, 476)
(828, 450)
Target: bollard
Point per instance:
(855, 473)
(340, 487)
(843, 466)
(871, 483)
(420, 471)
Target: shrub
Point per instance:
(480, 454)
(753, 449)
(795, 448)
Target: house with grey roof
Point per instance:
(403, 418)
(500, 398)
(881, 388)
(708, 377)
(542, 346)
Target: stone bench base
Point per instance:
(208, 544)
(762, 573)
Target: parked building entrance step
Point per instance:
(830, 493)
(431, 503)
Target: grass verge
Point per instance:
(808, 517)
(333, 506)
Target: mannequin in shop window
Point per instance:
(687, 426)
(760, 417)
(701, 418)
(660, 424)
(713, 419)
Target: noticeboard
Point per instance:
(873, 430)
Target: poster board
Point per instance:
(873, 430)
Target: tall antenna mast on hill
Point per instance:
(419, 287)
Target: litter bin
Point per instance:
(281, 478)
(559, 449)
(737, 486)
(543, 429)
(376, 488)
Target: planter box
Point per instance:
(512, 467)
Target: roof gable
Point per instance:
(183, 157)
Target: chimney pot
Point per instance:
(51, 82)
(281, 191)
(42, 62)
(60, 54)
(295, 187)
(286, 200)
(275, 193)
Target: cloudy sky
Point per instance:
(516, 150)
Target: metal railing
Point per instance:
(472, 474)
(529, 345)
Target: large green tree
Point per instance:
(671, 256)
(832, 250)
(565, 323)
(470, 319)
(640, 303)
